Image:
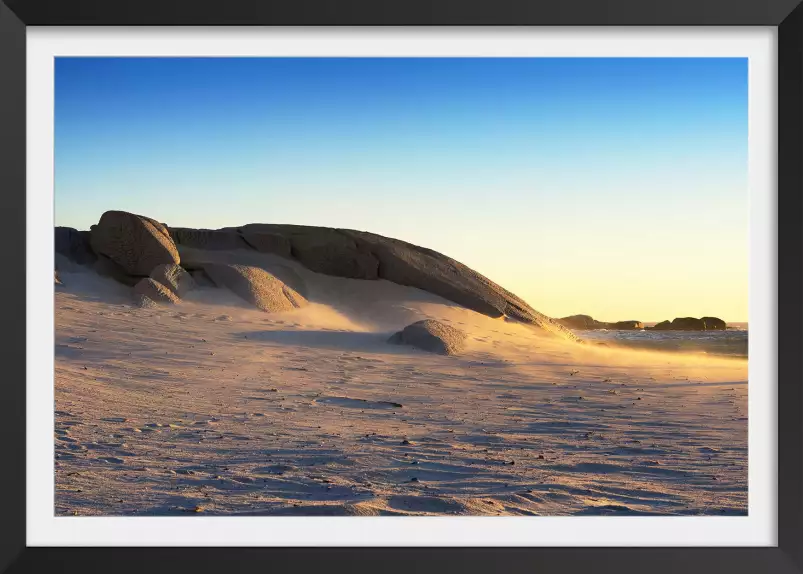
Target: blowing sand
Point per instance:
(213, 406)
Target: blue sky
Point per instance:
(614, 187)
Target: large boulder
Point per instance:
(74, 245)
(136, 243)
(155, 291)
(173, 277)
(260, 288)
(714, 324)
(432, 336)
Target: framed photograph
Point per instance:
(433, 286)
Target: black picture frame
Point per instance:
(787, 15)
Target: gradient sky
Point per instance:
(615, 187)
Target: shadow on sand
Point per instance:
(339, 340)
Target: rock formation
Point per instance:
(432, 336)
(174, 278)
(362, 255)
(155, 291)
(134, 242)
(144, 302)
(627, 325)
(586, 322)
(714, 324)
(209, 239)
(691, 324)
(74, 245)
(688, 324)
(129, 247)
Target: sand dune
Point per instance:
(211, 405)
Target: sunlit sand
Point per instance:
(213, 406)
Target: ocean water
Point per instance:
(732, 342)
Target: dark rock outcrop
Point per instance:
(586, 322)
(627, 325)
(581, 322)
(74, 245)
(431, 336)
(260, 288)
(714, 324)
(691, 324)
(688, 324)
(134, 242)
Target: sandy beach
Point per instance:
(213, 406)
